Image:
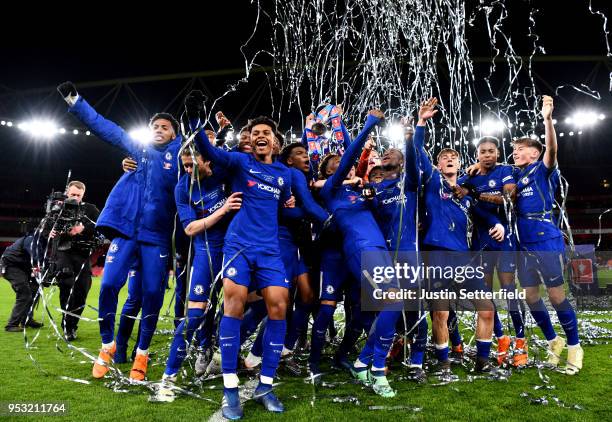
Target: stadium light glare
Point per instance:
(142, 134)
(583, 118)
(42, 129)
(75, 132)
(491, 126)
(395, 133)
(39, 128)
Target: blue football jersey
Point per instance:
(206, 197)
(491, 183)
(395, 212)
(265, 187)
(536, 187)
(448, 222)
(350, 211)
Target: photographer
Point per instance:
(16, 267)
(72, 258)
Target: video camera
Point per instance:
(61, 214)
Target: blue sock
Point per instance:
(182, 340)
(177, 350)
(229, 343)
(453, 328)
(367, 352)
(569, 322)
(299, 323)
(442, 353)
(540, 314)
(179, 293)
(483, 348)
(232, 396)
(498, 328)
(384, 335)
(517, 318)
(252, 317)
(211, 323)
(319, 327)
(419, 343)
(416, 356)
(273, 341)
(257, 347)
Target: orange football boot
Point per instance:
(520, 352)
(503, 344)
(139, 369)
(101, 367)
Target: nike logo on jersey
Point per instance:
(163, 256)
(226, 338)
(254, 172)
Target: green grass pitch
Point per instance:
(24, 380)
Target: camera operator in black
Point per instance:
(16, 266)
(72, 260)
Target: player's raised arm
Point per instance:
(550, 155)
(411, 164)
(103, 128)
(426, 112)
(348, 159)
(194, 104)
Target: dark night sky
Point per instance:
(113, 43)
